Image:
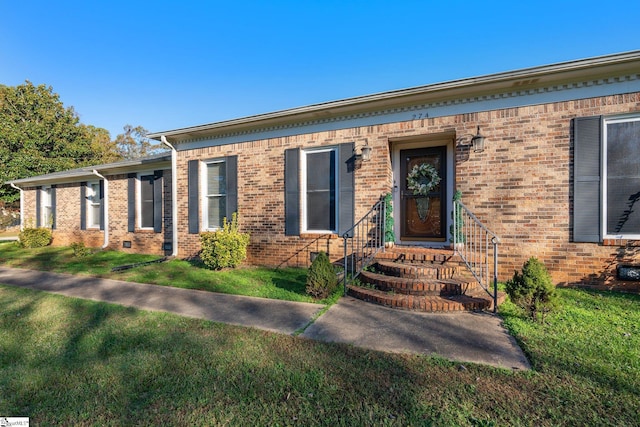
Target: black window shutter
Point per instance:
(53, 207)
(346, 180)
(587, 136)
(38, 207)
(158, 185)
(83, 206)
(131, 202)
(193, 196)
(292, 192)
(232, 185)
(102, 201)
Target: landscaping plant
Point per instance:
(35, 237)
(226, 247)
(459, 232)
(389, 235)
(532, 290)
(322, 279)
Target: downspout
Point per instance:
(106, 208)
(21, 204)
(174, 195)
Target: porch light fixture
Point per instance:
(477, 142)
(365, 152)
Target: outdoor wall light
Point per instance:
(477, 141)
(363, 152)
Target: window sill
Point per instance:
(144, 231)
(309, 235)
(620, 242)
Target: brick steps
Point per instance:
(421, 279)
(430, 303)
(422, 270)
(417, 286)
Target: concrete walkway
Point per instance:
(463, 337)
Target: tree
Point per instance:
(133, 143)
(38, 135)
(102, 146)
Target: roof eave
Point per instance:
(86, 173)
(528, 78)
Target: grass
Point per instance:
(66, 361)
(285, 283)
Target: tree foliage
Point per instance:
(39, 135)
(533, 290)
(133, 143)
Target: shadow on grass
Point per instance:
(594, 335)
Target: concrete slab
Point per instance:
(271, 315)
(464, 337)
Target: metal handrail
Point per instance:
(363, 241)
(471, 241)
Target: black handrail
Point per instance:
(363, 241)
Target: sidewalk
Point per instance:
(464, 337)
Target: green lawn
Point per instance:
(67, 361)
(285, 283)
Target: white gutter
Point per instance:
(174, 195)
(21, 204)
(105, 200)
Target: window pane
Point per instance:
(319, 165)
(217, 208)
(623, 178)
(216, 173)
(321, 188)
(95, 215)
(146, 201)
(320, 210)
(47, 218)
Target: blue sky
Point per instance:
(166, 65)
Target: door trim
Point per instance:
(425, 141)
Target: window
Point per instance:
(94, 204)
(621, 192)
(319, 180)
(146, 201)
(46, 207)
(319, 190)
(214, 185)
(215, 194)
(606, 186)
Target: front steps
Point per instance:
(421, 279)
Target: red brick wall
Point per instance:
(520, 186)
(67, 216)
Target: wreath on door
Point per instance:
(422, 179)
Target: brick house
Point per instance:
(124, 205)
(557, 177)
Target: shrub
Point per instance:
(533, 290)
(389, 235)
(80, 250)
(322, 279)
(35, 237)
(226, 247)
(459, 232)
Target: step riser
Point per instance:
(417, 272)
(417, 303)
(421, 287)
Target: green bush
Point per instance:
(389, 235)
(35, 237)
(533, 289)
(322, 279)
(80, 250)
(226, 247)
(459, 232)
